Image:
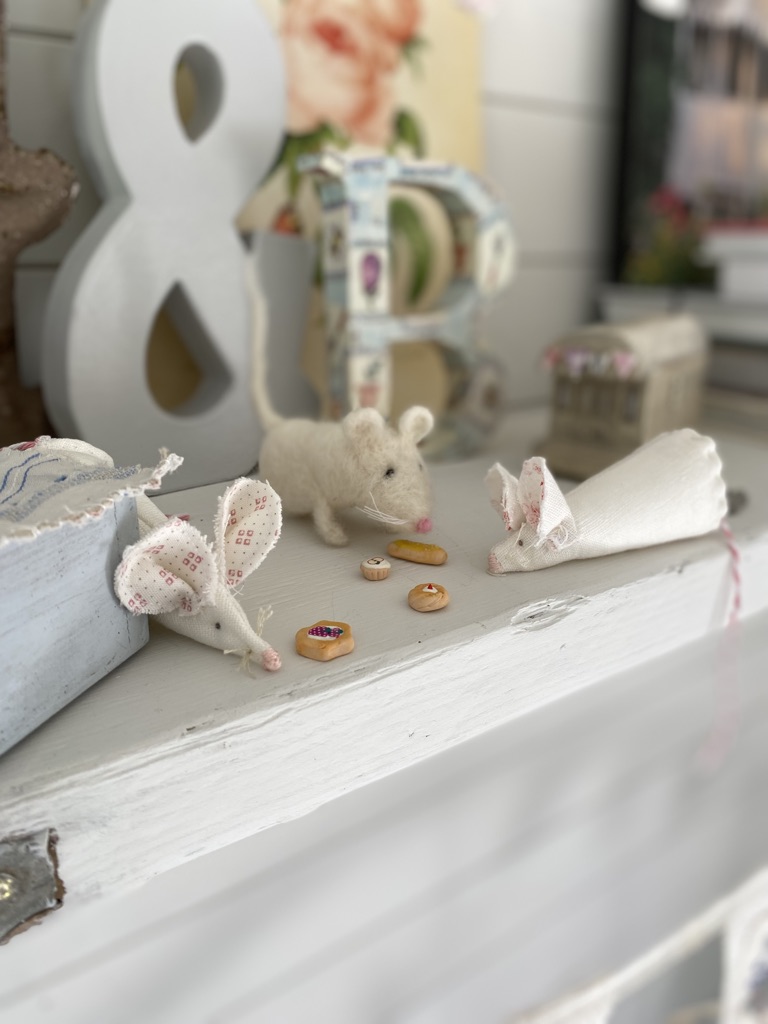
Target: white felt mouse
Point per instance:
(321, 468)
(670, 488)
(174, 573)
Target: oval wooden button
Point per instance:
(416, 551)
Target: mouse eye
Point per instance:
(390, 472)
(218, 625)
(519, 543)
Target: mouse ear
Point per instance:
(416, 423)
(502, 490)
(363, 424)
(247, 527)
(173, 568)
(544, 506)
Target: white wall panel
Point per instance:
(563, 51)
(44, 16)
(32, 286)
(546, 299)
(555, 173)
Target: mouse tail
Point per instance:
(268, 416)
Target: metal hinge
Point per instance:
(30, 886)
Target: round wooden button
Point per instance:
(428, 597)
(375, 568)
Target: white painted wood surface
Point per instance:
(496, 875)
(268, 749)
(61, 629)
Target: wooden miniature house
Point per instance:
(617, 385)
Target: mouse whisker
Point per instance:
(374, 512)
(380, 517)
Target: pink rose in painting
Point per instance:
(341, 56)
(398, 19)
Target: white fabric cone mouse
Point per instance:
(670, 488)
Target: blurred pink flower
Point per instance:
(624, 363)
(398, 19)
(664, 202)
(341, 56)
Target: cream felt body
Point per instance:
(669, 489)
(320, 468)
(174, 573)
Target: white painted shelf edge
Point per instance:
(177, 753)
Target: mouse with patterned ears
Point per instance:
(190, 585)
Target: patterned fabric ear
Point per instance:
(502, 490)
(247, 527)
(544, 505)
(173, 568)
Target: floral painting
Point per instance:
(341, 61)
(399, 76)
(395, 75)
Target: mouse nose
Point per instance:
(424, 525)
(494, 565)
(270, 659)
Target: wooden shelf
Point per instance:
(177, 753)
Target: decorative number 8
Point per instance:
(167, 224)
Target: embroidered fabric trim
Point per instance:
(48, 482)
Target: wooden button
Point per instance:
(416, 551)
(325, 640)
(428, 597)
(375, 568)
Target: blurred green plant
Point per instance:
(296, 146)
(404, 221)
(408, 132)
